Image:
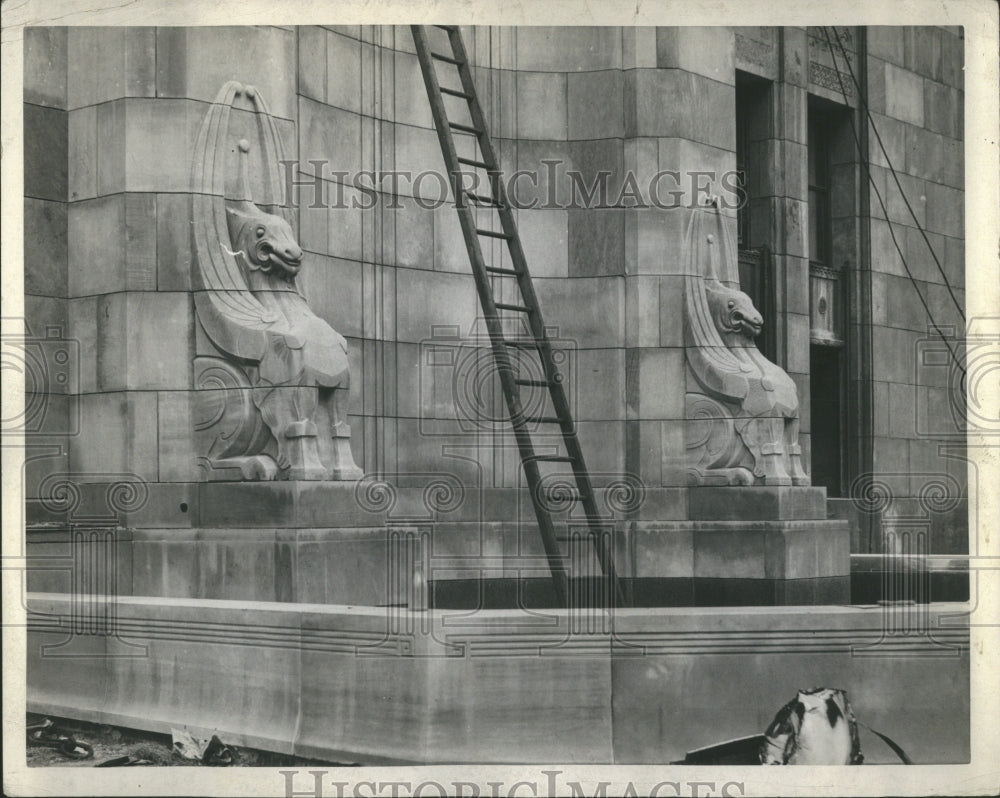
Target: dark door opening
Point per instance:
(825, 420)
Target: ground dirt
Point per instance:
(111, 742)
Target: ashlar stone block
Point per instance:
(117, 435)
(343, 71)
(887, 42)
(45, 235)
(108, 63)
(544, 237)
(333, 289)
(568, 48)
(45, 55)
(594, 102)
(660, 383)
(586, 310)
(541, 105)
(599, 377)
(653, 95)
(426, 300)
(112, 244)
(945, 208)
(707, 51)
(904, 95)
(192, 62)
(922, 47)
(144, 341)
(641, 312)
(82, 157)
(45, 139)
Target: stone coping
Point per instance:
(720, 617)
(297, 504)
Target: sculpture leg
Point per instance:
(772, 451)
(341, 460)
(289, 411)
(798, 474)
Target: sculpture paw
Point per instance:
(261, 467)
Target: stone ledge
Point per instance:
(304, 504)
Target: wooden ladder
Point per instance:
(527, 309)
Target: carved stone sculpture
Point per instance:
(272, 377)
(742, 410)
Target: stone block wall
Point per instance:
(131, 102)
(112, 115)
(917, 102)
(557, 104)
(48, 414)
(915, 78)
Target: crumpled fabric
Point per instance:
(817, 727)
(209, 752)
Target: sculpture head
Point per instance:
(266, 240)
(733, 312)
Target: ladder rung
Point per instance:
(505, 306)
(481, 200)
(477, 164)
(522, 344)
(541, 420)
(496, 270)
(491, 233)
(455, 93)
(446, 58)
(465, 128)
(554, 458)
(532, 383)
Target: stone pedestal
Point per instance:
(740, 546)
(359, 543)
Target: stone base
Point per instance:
(736, 563)
(757, 503)
(497, 564)
(371, 685)
(358, 543)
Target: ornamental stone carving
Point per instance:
(742, 410)
(272, 378)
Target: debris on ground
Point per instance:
(114, 746)
(212, 752)
(45, 733)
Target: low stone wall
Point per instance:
(388, 685)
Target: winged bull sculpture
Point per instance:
(273, 377)
(743, 412)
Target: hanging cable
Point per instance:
(878, 195)
(892, 169)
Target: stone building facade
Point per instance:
(290, 584)
(111, 117)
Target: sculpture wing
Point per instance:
(272, 156)
(233, 318)
(709, 250)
